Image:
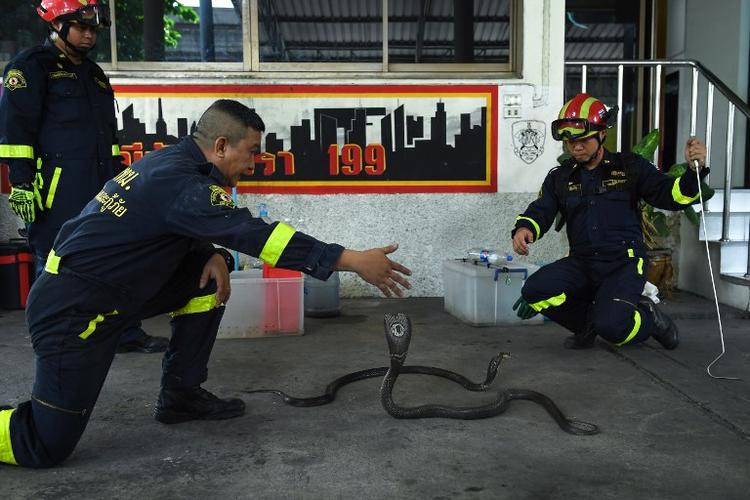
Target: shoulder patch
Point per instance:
(219, 197)
(14, 79)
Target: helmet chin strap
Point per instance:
(596, 153)
(63, 35)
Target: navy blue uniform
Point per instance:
(135, 251)
(58, 130)
(601, 280)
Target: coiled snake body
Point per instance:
(398, 335)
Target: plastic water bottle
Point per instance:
(486, 256)
(263, 213)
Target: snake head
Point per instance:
(397, 333)
(495, 363)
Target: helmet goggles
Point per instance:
(90, 15)
(574, 128)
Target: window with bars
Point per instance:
(369, 36)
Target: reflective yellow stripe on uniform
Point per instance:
(6, 449)
(679, 197)
(533, 222)
(196, 305)
(53, 187)
(93, 324)
(16, 151)
(115, 150)
(53, 263)
(634, 331)
(639, 265)
(552, 301)
(276, 243)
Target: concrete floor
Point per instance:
(668, 430)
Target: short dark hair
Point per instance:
(227, 118)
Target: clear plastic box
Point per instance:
(483, 295)
(322, 297)
(263, 307)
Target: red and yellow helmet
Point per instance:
(582, 116)
(89, 12)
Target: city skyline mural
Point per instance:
(336, 139)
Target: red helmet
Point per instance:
(90, 12)
(582, 116)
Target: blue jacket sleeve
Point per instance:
(21, 105)
(206, 212)
(540, 214)
(662, 191)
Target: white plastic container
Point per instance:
(263, 307)
(482, 295)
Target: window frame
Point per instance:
(252, 66)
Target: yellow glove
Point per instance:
(22, 199)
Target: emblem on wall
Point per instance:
(528, 139)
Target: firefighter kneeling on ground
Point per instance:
(142, 247)
(597, 289)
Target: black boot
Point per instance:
(582, 340)
(665, 331)
(181, 405)
(142, 342)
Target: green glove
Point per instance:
(22, 199)
(523, 309)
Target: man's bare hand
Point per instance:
(695, 151)
(521, 240)
(216, 269)
(376, 268)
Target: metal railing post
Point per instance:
(709, 131)
(584, 77)
(657, 108)
(728, 176)
(694, 104)
(620, 74)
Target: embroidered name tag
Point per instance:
(55, 75)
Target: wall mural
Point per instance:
(334, 138)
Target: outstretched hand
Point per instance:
(376, 268)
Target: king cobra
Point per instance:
(398, 335)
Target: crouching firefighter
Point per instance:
(597, 289)
(143, 247)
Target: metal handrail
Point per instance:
(741, 105)
(735, 103)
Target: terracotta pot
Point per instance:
(660, 271)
